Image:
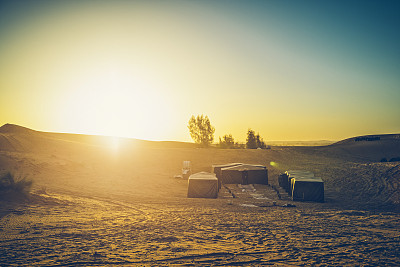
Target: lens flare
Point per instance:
(273, 164)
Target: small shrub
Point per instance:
(12, 189)
(394, 159)
(383, 160)
(42, 190)
(227, 141)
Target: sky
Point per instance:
(289, 70)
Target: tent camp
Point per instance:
(292, 174)
(203, 185)
(217, 170)
(245, 174)
(307, 189)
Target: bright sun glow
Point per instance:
(114, 102)
(113, 143)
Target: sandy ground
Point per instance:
(93, 206)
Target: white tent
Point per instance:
(203, 185)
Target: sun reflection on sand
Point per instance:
(113, 143)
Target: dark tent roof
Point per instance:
(246, 167)
(216, 168)
(293, 173)
(245, 174)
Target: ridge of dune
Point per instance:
(12, 135)
(368, 138)
(14, 128)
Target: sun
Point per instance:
(116, 102)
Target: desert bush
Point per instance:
(227, 141)
(383, 160)
(394, 159)
(12, 189)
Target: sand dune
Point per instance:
(366, 148)
(351, 169)
(96, 203)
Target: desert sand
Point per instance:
(98, 202)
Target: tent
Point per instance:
(307, 189)
(203, 185)
(217, 170)
(245, 174)
(292, 174)
(283, 180)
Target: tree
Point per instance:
(251, 141)
(260, 142)
(201, 130)
(227, 141)
(254, 141)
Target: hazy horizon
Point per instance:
(316, 142)
(140, 69)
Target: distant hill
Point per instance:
(16, 129)
(369, 138)
(369, 147)
(301, 143)
(18, 138)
